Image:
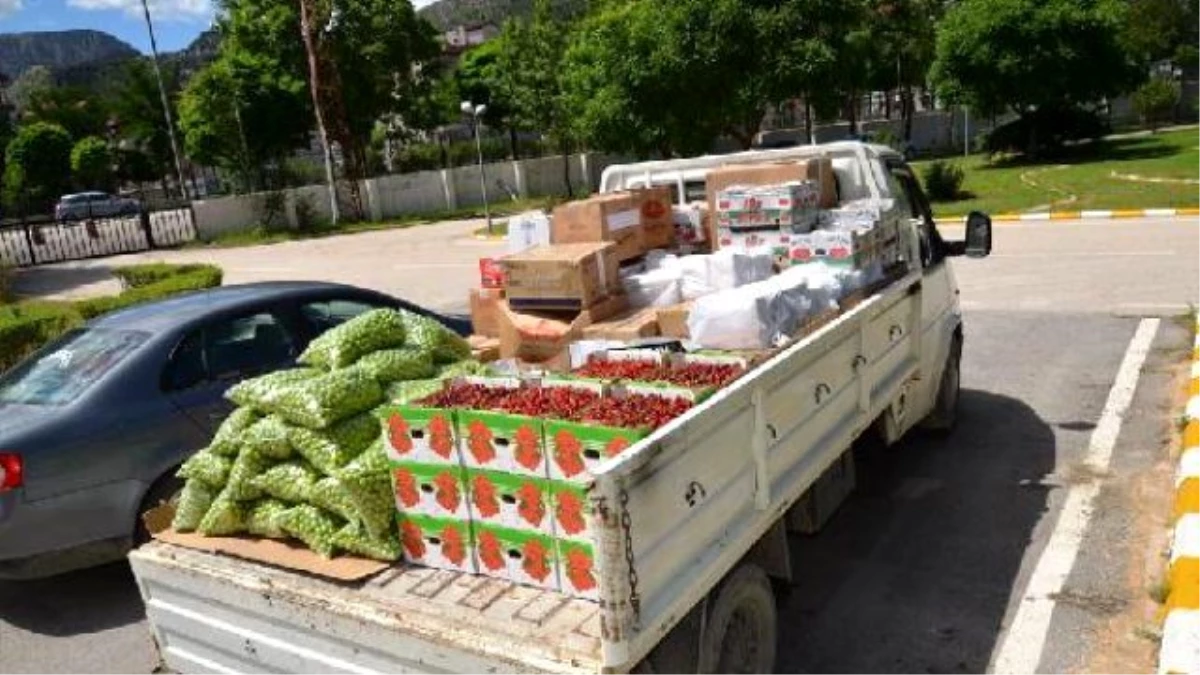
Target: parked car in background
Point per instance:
(94, 425)
(83, 205)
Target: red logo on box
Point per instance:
(491, 273)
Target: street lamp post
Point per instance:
(476, 111)
(162, 93)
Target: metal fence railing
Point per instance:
(35, 243)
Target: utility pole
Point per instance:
(314, 81)
(162, 93)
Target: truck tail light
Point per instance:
(12, 471)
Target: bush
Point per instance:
(943, 181)
(26, 326)
(1046, 130)
(1155, 101)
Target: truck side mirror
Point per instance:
(979, 235)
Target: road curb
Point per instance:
(1108, 214)
(1180, 649)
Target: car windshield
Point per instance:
(61, 372)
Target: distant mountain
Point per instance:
(59, 50)
(447, 14)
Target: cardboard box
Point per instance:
(485, 311)
(842, 247)
(510, 500)
(491, 273)
(574, 518)
(819, 169)
(545, 338)
(576, 448)
(629, 325)
(672, 320)
(417, 434)
(615, 217)
(658, 221)
(523, 557)
(501, 441)
(438, 490)
(747, 239)
(570, 277)
(485, 349)
(442, 543)
(791, 207)
(577, 569)
(692, 226)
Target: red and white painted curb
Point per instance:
(1180, 650)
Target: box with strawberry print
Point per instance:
(508, 434)
(417, 433)
(431, 489)
(570, 510)
(510, 500)
(577, 569)
(523, 557)
(442, 543)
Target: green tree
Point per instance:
(1155, 29)
(39, 163)
(92, 163)
(137, 107)
(29, 84)
(485, 75)
(1155, 101)
(1031, 56)
(72, 108)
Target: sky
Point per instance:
(176, 22)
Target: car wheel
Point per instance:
(944, 416)
(165, 490)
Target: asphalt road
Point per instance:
(925, 567)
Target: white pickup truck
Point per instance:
(694, 519)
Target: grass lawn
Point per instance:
(1083, 178)
(258, 236)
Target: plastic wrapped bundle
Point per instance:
(260, 393)
(392, 365)
(246, 468)
(330, 449)
(329, 494)
(369, 486)
(194, 502)
(269, 438)
(353, 538)
(312, 526)
(754, 316)
(412, 390)
(318, 402)
(291, 482)
(462, 369)
(226, 441)
(263, 519)
(368, 332)
(424, 333)
(226, 516)
(204, 466)
(656, 288)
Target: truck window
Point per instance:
(933, 247)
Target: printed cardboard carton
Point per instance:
(431, 489)
(577, 569)
(442, 543)
(523, 557)
(420, 434)
(510, 500)
(571, 510)
(576, 448)
(502, 441)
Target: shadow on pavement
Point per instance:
(85, 601)
(35, 282)
(914, 573)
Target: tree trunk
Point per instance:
(887, 105)
(512, 141)
(907, 109)
(314, 75)
(808, 122)
(852, 114)
(565, 147)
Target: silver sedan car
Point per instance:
(85, 205)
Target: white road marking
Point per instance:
(1021, 648)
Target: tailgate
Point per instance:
(213, 613)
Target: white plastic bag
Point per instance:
(754, 316)
(526, 230)
(656, 288)
(695, 276)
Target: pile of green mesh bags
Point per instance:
(302, 456)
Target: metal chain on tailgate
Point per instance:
(635, 600)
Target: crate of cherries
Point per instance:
(702, 373)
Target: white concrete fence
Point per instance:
(407, 194)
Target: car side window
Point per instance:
(325, 314)
(933, 247)
(245, 346)
(186, 368)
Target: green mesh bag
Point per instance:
(392, 365)
(412, 390)
(342, 345)
(227, 440)
(291, 482)
(319, 402)
(207, 467)
(424, 333)
(263, 520)
(369, 485)
(330, 494)
(311, 525)
(248, 466)
(353, 538)
(194, 502)
(269, 437)
(226, 516)
(330, 449)
(260, 393)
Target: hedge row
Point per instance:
(26, 326)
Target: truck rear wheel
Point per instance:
(944, 416)
(742, 630)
